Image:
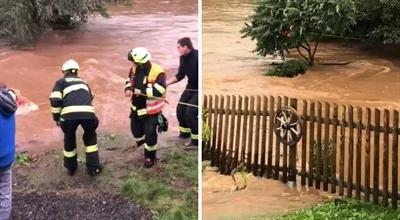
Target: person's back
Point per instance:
(71, 106)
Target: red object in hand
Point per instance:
(21, 101)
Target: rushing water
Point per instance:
(371, 79)
(101, 47)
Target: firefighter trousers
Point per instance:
(144, 130)
(188, 115)
(69, 128)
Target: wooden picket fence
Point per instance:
(345, 149)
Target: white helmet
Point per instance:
(140, 55)
(70, 65)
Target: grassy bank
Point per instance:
(171, 192)
(168, 190)
(341, 210)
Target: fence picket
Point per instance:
(304, 145)
(264, 135)
(277, 143)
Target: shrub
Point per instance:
(289, 68)
(22, 22)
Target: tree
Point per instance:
(22, 21)
(378, 20)
(280, 25)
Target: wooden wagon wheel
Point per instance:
(287, 125)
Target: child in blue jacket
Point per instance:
(7, 148)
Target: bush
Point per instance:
(278, 26)
(289, 68)
(329, 154)
(22, 22)
(378, 21)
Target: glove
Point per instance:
(137, 92)
(162, 123)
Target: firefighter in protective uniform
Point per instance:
(71, 106)
(146, 86)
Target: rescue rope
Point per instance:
(191, 90)
(163, 99)
(166, 101)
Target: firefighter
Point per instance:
(147, 87)
(71, 106)
(187, 115)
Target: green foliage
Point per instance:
(329, 153)
(170, 193)
(22, 21)
(378, 20)
(344, 209)
(280, 25)
(289, 68)
(22, 158)
(204, 165)
(206, 134)
(242, 170)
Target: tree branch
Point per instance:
(299, 51)
(308, 49)
(316, 45)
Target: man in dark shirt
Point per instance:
(188, 114)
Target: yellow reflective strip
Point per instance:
(159, 88)
(184, 130)
(91, 149)
(73, 80)
(141, 112)
(150, 148)
(139, 139)
(55, 110)
(77, 108)
(149, 92)
(56, 95)
(69, 153)
(195, 136)
(74, 88)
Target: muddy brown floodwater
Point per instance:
(372, 78)
(101, 48)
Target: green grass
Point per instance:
(22, 158)
(344, 209)
(171, 192)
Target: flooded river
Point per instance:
(101, 48)
(371, 79)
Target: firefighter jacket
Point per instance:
(71, 99)
(151, 81)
